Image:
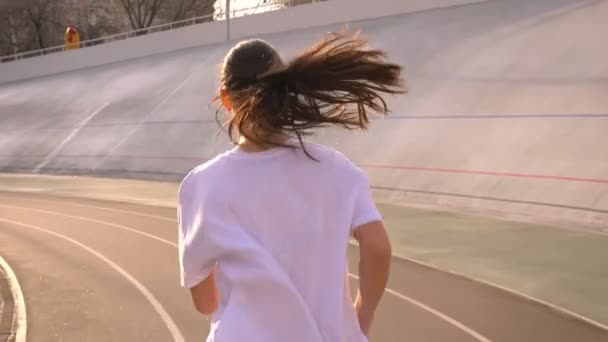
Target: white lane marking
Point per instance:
(514, 292)
(134, 129)
(69, 137)
(432, 311)
(439, 314)
(19, 325)
(105, 223)
(478, 280)
(173, 329)
(98, 207)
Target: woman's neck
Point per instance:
(249, 146)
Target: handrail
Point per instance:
(151, 29)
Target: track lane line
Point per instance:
(67, 199)
(19, 324)
(437, 313)
(515, 293)
(82, 218)
(414, 261)
(164, 315)
(469, 331)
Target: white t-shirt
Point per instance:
(278, 226)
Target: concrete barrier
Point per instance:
(303, 16)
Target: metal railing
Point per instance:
(220, 16)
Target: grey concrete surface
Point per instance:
(73, 296)
(506, 113)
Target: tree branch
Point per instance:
(127, 6)
(153, 11)
(138, 15)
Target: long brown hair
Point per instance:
(335, 82)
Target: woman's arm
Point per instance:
(205, 295)
(197, 252)
(374, 265)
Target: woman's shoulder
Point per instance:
(319, 150)
(204, 174)
(337, 158)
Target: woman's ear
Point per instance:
(225, 98)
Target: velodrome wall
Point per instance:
(298, 17)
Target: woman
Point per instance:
(265, 226)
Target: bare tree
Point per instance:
(175, 10)
(26, 25)
(141, 13)
(95, 19)
(10, 25)
(40, 15)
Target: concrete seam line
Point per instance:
(173, 329)
(19, 325)
(432, 311)
(67, 139)
(478, 280)
(134, 129)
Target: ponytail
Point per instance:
(335, 82)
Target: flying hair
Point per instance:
(337, 81)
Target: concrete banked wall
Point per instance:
(507, 111)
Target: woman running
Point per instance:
(264, 227)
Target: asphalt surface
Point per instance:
(95, 270)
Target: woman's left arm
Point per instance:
(197, 252)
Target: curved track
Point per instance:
(96, 270)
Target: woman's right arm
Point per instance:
(374, 265)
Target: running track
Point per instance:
(107, 271)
